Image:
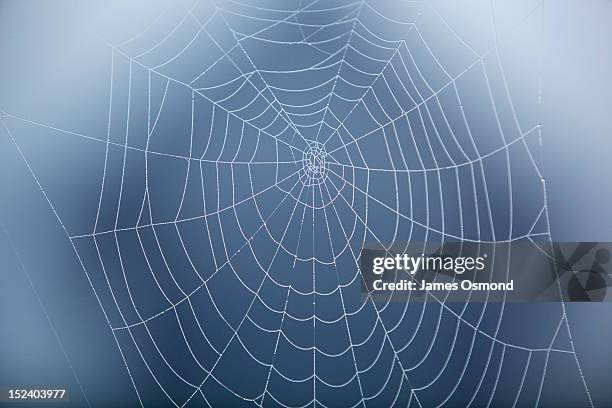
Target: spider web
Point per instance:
(253, 149)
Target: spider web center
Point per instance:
(314, 164)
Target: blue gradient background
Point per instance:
(56, 65)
